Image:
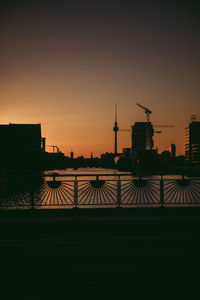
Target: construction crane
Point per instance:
(128, 130)
(149, 127)
(163, 126)
(54, 147)
(147, 111)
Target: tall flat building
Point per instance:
(192, 143)
(142, 136)
(173, 150)
(20, 145)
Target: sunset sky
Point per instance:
(65, 65)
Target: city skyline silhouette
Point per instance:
(65, 65)
(96, 200)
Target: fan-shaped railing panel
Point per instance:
(99, 191)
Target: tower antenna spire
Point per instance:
(115, 129)
(115, 112)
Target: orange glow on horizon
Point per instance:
(65, 65)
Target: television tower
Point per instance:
(115, 129)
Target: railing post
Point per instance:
(75, 192)
(54, 177)
(161, 191)
(32, 194)
(118, 192)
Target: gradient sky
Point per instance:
(65, 65)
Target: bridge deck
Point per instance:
(95, 254)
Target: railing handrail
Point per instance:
(66, 175)
(88, 174)
(141, 176)
(77, 190)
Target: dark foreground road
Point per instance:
(100, 254)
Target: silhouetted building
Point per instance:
(165, 157)
(126, 153)
(173, 150)
(81, 157)
(192, 143)
(142, 136)
(43, 144)
(143, 156)
(72, 155)
(20, 146)
(107, 160)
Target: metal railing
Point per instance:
(96, 190)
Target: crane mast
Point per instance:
(147, 111)
(54, 147)
(149, 127)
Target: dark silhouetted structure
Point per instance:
(107, 160)
(115, 129)
(72, 155)
(43, 144)
(143, 156)
(20, 146)
(192, 143)
(126, 153)
(142, 136)
(173, 150)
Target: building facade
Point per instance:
(20, 146)
(173, 150)
(126, 153)
(142, 136)
(192, 143)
